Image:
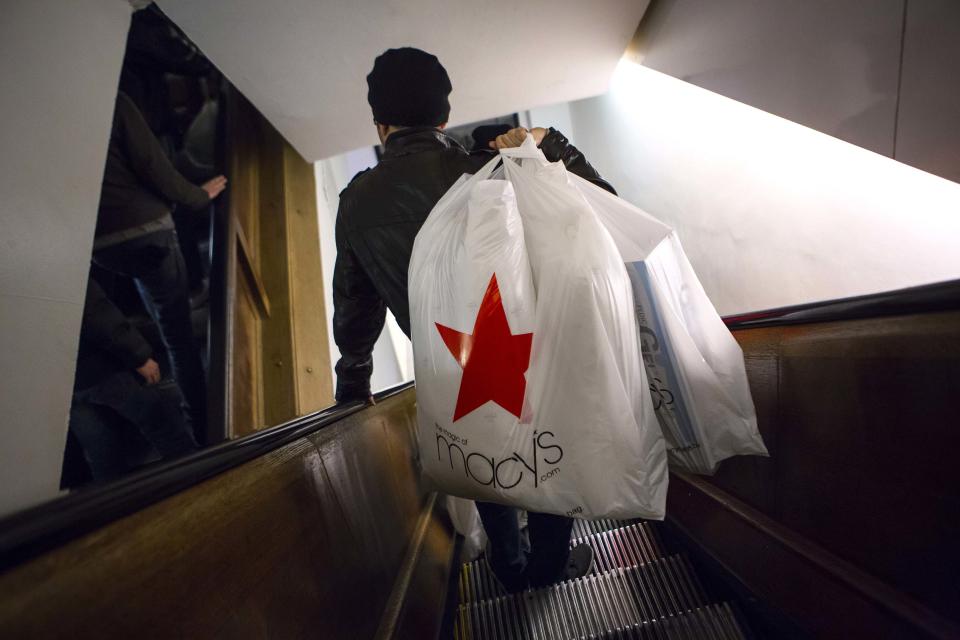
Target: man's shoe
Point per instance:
(579, 563)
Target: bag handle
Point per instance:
(527, 150)
(487, 170)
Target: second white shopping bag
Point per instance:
(694, 365)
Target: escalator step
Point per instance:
(659, 583)
(623, 547)
(626, 546)
(634, 591)
(715, 622)
(561, 618)
(583, 528)
(624, 599)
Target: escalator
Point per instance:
(636, 590)
(320, 527)
(329, 506)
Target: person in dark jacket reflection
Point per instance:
(380, 213)
(118, 388)
(135, 237)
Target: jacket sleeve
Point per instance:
(359, 314)
(150, 163)
(105, 326)
(556, 147)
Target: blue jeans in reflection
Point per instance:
(156, 265)
(102, 416)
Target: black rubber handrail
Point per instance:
(28, 533)
(928, 298)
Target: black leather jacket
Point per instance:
(139, 181)
(108, 342)
(380, 213)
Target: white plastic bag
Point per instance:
(466, 521)
(694, 365)
(530, 387)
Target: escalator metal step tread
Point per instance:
(625, 546)
(634, 591)
(716, 622)
(504, 620)
(583, 528)
(599, 603)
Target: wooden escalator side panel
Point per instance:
(303, 542)
(860, 418)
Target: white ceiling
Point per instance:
(303, 63)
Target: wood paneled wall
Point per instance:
(278, 362)
(309, 541)
(313, 380)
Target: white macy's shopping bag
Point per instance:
(694, 365)
(530, 387)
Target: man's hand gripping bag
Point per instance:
(530, 387)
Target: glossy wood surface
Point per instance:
(861, 419)
(796, 587)
(304, 542)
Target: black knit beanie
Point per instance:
(409, 88)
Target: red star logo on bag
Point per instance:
(493, 359)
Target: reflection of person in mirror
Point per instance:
(119, 389)
(379, 216)
(135, 237)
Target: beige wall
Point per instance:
(879, 74)
(59, 67)
(771, 213)
(928, 124)
(303, 64)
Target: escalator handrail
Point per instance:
(928, 298)
(28, 533)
